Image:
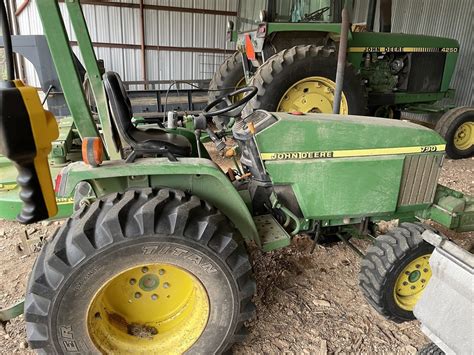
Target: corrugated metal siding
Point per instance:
(443, 18)
(108, 24)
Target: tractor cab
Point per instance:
(252, 13)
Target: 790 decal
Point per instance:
(429, 148)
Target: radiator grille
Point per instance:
(419, 179)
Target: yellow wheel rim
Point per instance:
(157, 308)
(313, 94)
(241, 84)
(411, 282)
(464, 136)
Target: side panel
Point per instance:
(200, 177)
(329, 188)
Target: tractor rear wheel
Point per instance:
(396, 270)
(303, 78)
(229, 76)
(456, 126)
(148, 271)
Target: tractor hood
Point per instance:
(399, 41)
(335, 133)
(334, 166)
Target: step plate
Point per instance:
(271, 233)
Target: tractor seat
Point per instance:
(153, 141)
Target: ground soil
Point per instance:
(306, 303)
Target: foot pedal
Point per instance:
(271, 233)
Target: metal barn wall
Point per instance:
(194, 43)
(444, 18)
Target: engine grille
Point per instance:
(419, 179)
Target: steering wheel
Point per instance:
(316, 15)
(230, 106)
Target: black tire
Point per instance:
(447, 126)
(385, 261)
(227, 76)
(284, 69)
(126, 230)
(430, 349)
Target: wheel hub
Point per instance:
(464, 136)
(157, 308)
(314, 94)
(411, 282)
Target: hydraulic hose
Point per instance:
(7, 42)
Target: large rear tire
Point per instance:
(396, 270)
(227, 78)
(148, 271)
(456, 126)
(302, 78)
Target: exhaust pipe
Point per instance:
(341, 61)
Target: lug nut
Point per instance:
(154, 297)
(161, 272)
(425, 270)
(405, 283)
(412, 287)
(144, 269)
(138, 295)
(166, 285)
(418, 266)
(133, 281)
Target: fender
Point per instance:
(197, 176)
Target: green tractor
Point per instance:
(288, 50)
(154, 260)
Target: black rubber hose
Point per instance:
(7, 42)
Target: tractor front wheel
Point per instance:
(396, 270)
(228, 77)
(456, 126)
(146, 271)
(303, 78)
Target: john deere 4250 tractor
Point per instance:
(288, 50)
(154, 260)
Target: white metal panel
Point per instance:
(110, 24)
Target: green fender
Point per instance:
(197, 176)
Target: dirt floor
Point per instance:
(306, 303)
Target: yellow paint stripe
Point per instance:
(351, 153)
(7, 187)
(403, 49)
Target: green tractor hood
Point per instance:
(350, 166)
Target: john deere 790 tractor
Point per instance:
(154, 260)
(288, 50)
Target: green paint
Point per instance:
(63, 59)
(325, 132)
(331, 188)
(414, 276)
(13, 311)
(79, 25)
(452, 209)
(307, 26)
(200, 177)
